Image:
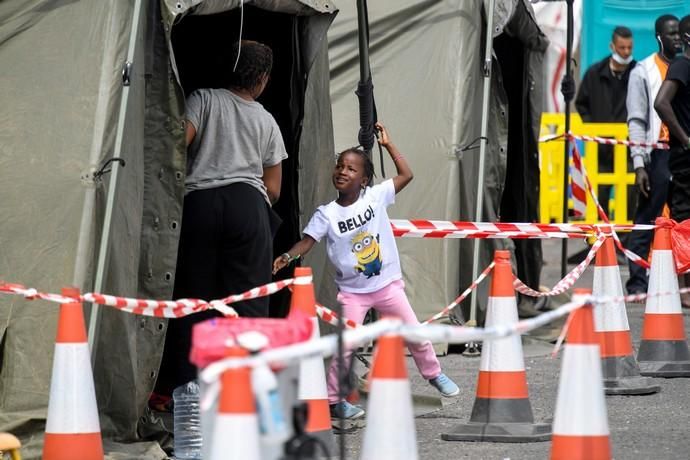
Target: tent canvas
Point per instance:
(62, 91)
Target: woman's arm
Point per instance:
(272, 178)
(662, 105)
(189, 131)
(300, 248)
(404, 175)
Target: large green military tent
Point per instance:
(85, 81)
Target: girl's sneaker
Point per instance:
(345, 410)
(445, 385)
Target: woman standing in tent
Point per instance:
(234, 155)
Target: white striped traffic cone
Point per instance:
(619, 366)
(663, 348)
(390, 431)
(72, 427)
(502, 410)
(236, 429)
(580, 426)
(312, 375)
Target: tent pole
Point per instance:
(566, 154)
(83, 252)
(482, 152)
(364, 70)
(94, 319)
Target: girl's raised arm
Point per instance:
(404, 175)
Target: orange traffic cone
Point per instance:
(580, 426)
(619, 366)
(663, 349)
(312, 376)
(72, 425)
(389, 400)
(236, 429)
(502, 410)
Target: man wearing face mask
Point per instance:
(644, 125)
(673, 106)
(602, 93)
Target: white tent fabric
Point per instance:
(552, 19)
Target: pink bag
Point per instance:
(210, 338)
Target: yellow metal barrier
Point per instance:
(551, 161)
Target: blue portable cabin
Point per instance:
(600, 17)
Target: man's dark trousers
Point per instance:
(648, 209)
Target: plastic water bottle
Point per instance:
(187, 422)
(272, 424)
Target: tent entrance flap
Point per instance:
(202, 46)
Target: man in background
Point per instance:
(602, 93)
(644, 125)
(673, 106)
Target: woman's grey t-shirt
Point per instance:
(235, 140)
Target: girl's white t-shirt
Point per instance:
(359, 240)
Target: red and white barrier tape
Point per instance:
(329, 316)
(327, 345)
(578, 188)
(568, 280)
(155, 308)
(462, 296)
(637, 297)
(480, 234)
(146, 307)
(420, 228)
(605, 140)
(636, 259)
(577, 183)
(32, 294)
(437, 333)
(262, 291)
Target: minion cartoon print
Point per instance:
(368, 253)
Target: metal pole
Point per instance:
(566, 153)
(482, 152)
(94, 319)
(364, 70)
(343, 375)
(84, 245)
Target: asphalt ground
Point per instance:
(642, 427)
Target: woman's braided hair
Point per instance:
(255, 61)
(366, 161)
